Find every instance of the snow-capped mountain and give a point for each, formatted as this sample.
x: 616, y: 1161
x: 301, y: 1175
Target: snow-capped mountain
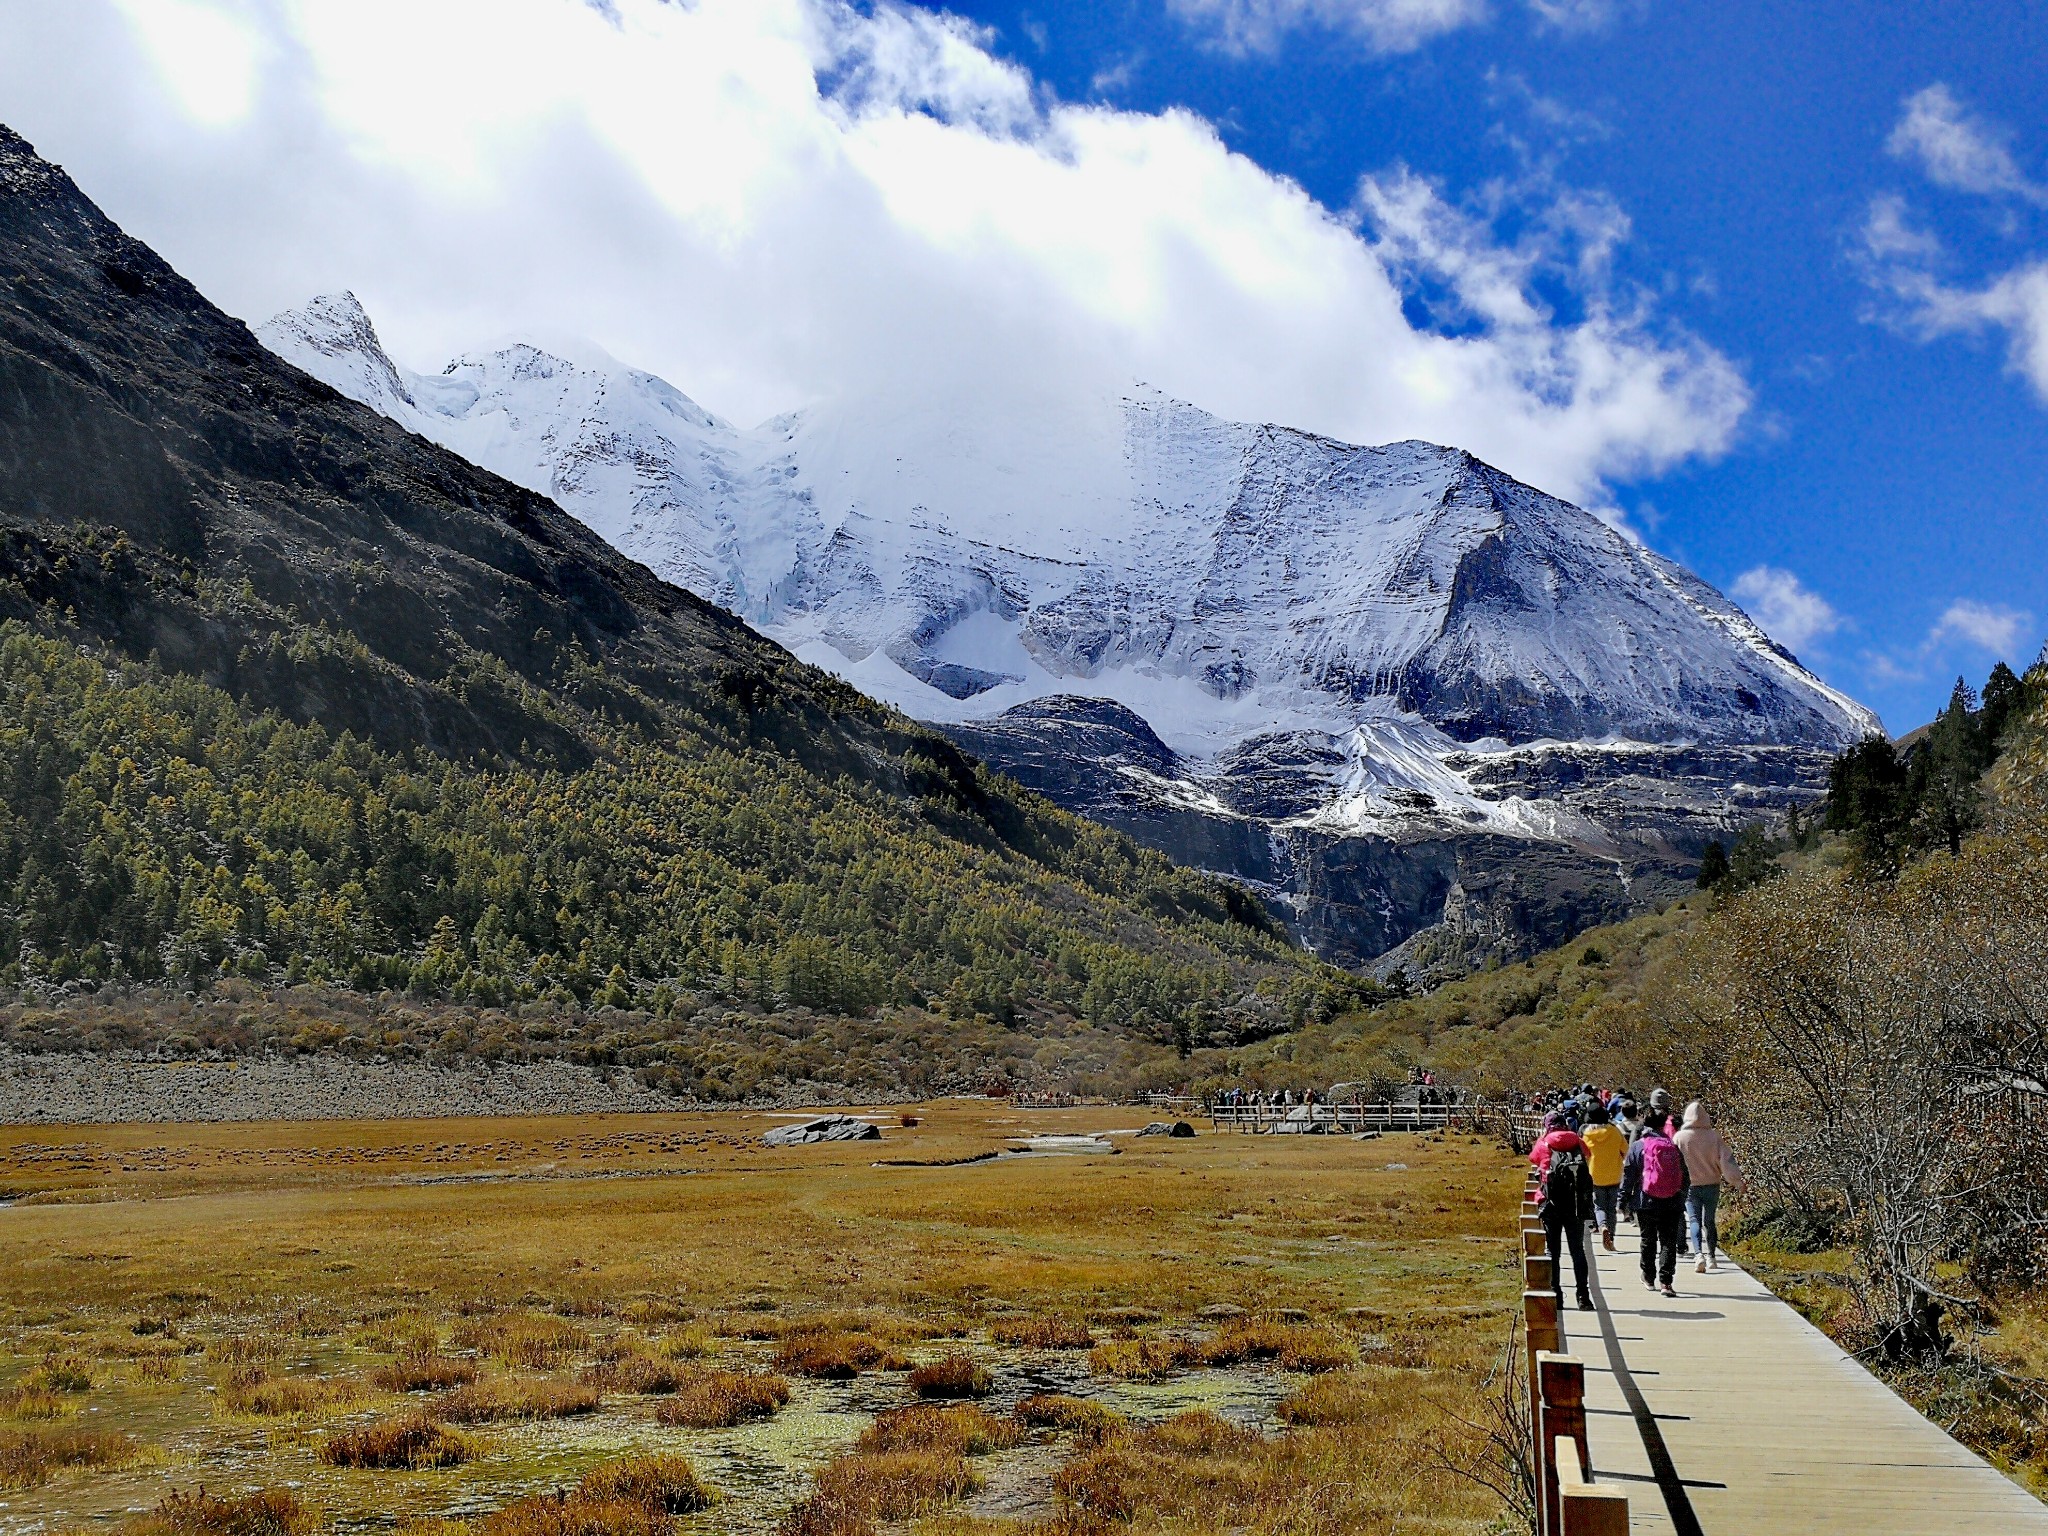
x: 1408, y: 637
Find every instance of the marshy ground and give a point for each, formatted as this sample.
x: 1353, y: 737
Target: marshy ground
x: 653, y: 1324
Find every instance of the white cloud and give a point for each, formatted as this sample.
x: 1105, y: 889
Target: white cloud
x: 1988, y: 626
x: 1956, y: 150
x: 1790, y: 612
x: 1575, y: 15
x: 1386, y: 26
x: 773, y: 201
x: 1993, y: 628
x: 1903, y: 263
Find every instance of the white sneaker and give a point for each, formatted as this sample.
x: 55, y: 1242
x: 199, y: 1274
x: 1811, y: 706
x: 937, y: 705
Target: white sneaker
x: 1714, y: 1265
x: 1701, y: 1267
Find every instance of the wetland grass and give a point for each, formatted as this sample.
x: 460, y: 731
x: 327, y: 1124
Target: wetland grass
x: 516, y: 1400
x: 31, y: 1457
x: 409, y: 1442
x: 831, y: 1354
x: 717, y: 1399
x: 1048, y: 1331
x: 954, y: 1375
x: 1078, y: 1416
x: 424, y: 1370
x: 255, y: 1244
x: 195, y: 1512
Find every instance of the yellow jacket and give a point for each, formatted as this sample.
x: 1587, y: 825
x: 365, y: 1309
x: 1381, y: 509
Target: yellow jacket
x: 1605, y: 1148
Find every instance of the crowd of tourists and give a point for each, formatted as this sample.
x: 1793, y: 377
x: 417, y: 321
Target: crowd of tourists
x: 1604, y: 1158
x: 1423, y: 1088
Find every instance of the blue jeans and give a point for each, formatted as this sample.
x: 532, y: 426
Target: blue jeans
x: 1604, y: 1198
x: 1702, y: 1208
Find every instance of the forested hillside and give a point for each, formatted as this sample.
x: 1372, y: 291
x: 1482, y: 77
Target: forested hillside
x: 292, y: 697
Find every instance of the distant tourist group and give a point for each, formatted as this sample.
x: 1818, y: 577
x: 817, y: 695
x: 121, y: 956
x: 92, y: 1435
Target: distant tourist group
x: 1603, y: 1159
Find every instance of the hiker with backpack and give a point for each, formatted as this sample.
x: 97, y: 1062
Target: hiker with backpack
x: 1653, y: 1184
x: 1709, y: 1163
x: 1564, y: 1200
x: 1605, y: 1148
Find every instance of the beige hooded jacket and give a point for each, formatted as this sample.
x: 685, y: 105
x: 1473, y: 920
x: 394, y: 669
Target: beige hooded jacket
x: 1708, y: 1157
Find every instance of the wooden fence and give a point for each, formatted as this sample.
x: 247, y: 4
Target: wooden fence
x: 1519, y: 1127
x: 1568, y: 1501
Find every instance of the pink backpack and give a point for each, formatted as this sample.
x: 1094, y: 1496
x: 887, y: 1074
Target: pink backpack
x: 1663, y: 1168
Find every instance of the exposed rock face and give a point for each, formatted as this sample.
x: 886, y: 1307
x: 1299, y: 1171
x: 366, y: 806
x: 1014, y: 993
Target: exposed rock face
x: 1377, y: 858
x: 804, y: 1133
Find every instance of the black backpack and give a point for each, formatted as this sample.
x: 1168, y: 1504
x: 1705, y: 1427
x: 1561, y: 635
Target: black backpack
x: 1561, y: 1183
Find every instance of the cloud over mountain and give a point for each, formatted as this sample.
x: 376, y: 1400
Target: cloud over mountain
x: 789, y: 200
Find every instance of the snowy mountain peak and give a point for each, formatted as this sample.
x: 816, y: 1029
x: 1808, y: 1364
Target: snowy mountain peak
x: 332, y: 338
x: 1220, y: 579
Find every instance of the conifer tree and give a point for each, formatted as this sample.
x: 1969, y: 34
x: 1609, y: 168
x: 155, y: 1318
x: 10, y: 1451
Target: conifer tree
x: 2003, y: 693
x: 1868, y: 799
x: 1948, y: 764
x: 1713, y: 866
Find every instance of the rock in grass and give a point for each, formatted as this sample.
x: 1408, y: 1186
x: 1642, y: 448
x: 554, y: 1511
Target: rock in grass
x: 1178, y: 1128
x: 824, y: 1128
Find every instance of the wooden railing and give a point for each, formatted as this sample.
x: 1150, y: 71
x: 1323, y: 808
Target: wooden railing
x: 1568, y: 1502
x: 1520, y: 1127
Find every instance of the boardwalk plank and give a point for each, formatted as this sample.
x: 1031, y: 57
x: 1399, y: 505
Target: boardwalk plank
x: 1770, y: 1427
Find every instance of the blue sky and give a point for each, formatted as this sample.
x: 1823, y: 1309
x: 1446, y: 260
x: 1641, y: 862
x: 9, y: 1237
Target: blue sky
x: 1895, y: 474
x: 1766, y: 284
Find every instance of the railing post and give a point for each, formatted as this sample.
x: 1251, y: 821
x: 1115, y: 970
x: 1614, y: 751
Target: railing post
x: 1539, y: 1316
x: 1561, y: 1388
x: 1583, y: 1508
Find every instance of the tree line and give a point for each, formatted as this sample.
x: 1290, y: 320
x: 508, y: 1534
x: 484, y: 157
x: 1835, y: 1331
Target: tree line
x: 155, y: 830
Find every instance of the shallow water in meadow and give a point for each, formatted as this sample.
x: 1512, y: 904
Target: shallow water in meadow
x: 759, y: 1469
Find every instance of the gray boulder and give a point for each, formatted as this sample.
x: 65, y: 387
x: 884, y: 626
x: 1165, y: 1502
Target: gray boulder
x: 802, y: 1133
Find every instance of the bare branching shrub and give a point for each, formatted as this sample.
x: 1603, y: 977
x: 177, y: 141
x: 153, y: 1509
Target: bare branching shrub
x: 1870, y: 1040
x: 1495, y: 1449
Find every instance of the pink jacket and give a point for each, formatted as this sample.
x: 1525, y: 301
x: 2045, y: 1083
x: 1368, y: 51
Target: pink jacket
x: 1708, y: 1157
x: 1553, y: 1141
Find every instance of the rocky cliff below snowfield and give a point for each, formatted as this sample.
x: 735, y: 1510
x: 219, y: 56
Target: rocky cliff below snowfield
x: 1431, y: 712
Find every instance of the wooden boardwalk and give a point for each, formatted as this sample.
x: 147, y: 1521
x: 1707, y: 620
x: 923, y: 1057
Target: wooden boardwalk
x: 1726, y: 1412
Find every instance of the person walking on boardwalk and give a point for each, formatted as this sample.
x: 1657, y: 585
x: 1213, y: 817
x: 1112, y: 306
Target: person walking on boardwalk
x: 1709, y: 1163
x: 1565, y: 1202
x: 1605, y: 1149
x: 1653, y: 1184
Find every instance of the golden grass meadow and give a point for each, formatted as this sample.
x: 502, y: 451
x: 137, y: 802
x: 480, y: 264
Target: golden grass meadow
x: 656, y: 1325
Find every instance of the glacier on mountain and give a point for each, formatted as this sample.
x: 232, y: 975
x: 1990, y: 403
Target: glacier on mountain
x: 1428, y: 652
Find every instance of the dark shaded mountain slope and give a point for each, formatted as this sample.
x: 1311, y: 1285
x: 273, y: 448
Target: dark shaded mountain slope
x: 269, y: 659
